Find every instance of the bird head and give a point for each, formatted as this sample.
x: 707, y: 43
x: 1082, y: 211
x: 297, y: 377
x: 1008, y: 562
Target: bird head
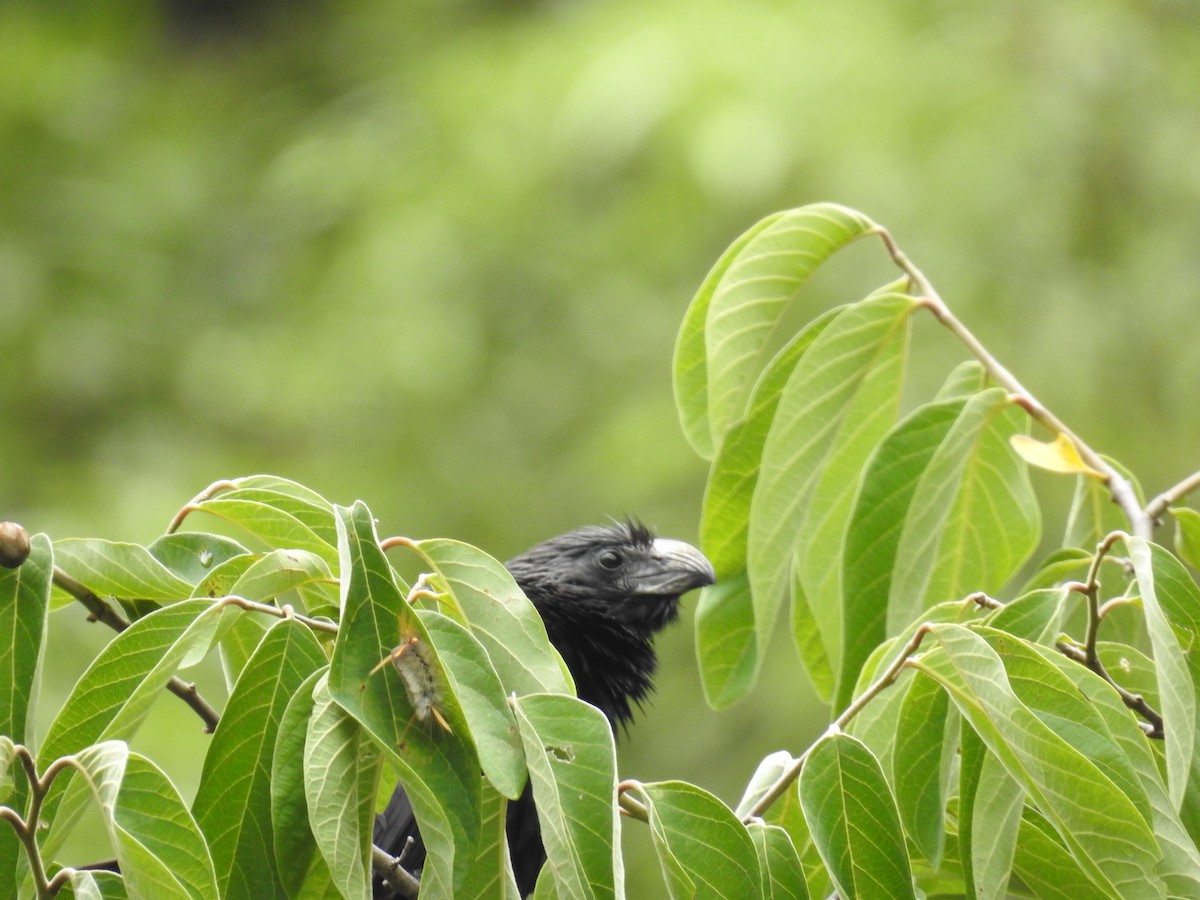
x: 603, y: 592
x: 620, y: 572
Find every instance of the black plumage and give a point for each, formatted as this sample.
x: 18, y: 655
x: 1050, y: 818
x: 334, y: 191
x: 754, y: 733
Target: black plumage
x: 603, y: 593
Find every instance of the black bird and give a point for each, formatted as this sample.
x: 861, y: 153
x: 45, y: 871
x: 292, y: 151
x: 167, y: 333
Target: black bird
x: 603, y: 592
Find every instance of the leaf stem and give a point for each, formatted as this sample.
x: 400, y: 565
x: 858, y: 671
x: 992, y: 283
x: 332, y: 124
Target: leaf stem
x: 630, y: 805
x: 1118, y: 486
x: 889, y: 676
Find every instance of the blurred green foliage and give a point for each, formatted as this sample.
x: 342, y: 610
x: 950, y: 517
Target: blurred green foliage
x: 434, y: 254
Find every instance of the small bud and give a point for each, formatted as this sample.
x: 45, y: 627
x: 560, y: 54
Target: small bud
x: 14, y: 545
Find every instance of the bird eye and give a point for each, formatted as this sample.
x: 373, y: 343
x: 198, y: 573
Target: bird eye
x: 610, y: 559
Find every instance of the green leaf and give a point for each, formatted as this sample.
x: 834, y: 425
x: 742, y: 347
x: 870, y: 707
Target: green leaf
x: 724, y: 524
x: 439, y: 769
x: 853, y: 819
x: 572, y: 766
x: 704, y: 851
x: 691, y: 348
x: 298, y: 863
x: 119, y: 569
x: 1045, y: 864
x: 1036, y: 616
x: 1160, y: 577
x: 193, y: 555
x: 1093, y: 513
x: 1038, y: 681
x: 921, y: 764
x: 1067, y: 564
x: 233, y: 801
x: 840, y: 399
x: 967, y: 378
x: 114, y: 695
x: 83, y: 884
x: 24, y: 612
x: 725, y: 634
x: 995, y: 817
x: 280, y: 571
x: 782, y: 871
x: 769, y: 771
x: 888, y: 485
x: 1180, y: 865
x: 973, y: 518
x: 157, y: 843
x: 484, y: 703
x: 725, y: 640
x: 279, y: 512
x: 1100, y: 825
x: 1187, y: 535
x: 500, y: 616
x: 738, y: 305
x: 491, y: 877
x: 341, y: 767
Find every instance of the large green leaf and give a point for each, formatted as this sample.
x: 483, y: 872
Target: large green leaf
x: 484, y: 703
x: 1102, y: 828
x: 233, y: 801
x: 158, y: 845
x: 782, y: 871
x: 341, y: 768
x: 1180, y: 865
x: 281, y: 513
x: 738, y: 305
x: 572, y: 767
x: 491, y: 877
x: 119, y: 569
x: 921, y: 764
x: 115, y: 693
x: 24, y: 610
x: 439, y: 768
x: 500, y: 616
x: 193, y: 555
x: 840, y: 399
x: 853, y: 819
x: 1187, y: 534
x: 1043, y: 862
x: 726, y: 641
x: 872, y: 539
x: 704, y: 851
x: 973, y: 518
x: 1171, y: 604
x: 997, y: 820
x: 724, y: 525
x: 301, y: 868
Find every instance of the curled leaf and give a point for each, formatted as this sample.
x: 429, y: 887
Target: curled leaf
x: 1059, y: 455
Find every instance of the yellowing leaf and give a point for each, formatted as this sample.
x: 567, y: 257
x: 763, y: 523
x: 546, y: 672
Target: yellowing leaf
x: 1059, y: 455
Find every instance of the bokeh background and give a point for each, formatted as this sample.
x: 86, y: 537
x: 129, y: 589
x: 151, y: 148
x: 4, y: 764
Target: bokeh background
x: 434, y: 254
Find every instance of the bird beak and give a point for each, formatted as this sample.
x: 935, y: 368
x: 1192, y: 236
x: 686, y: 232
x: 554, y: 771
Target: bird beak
x: 672, y: 568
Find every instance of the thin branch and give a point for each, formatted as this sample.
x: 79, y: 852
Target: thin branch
x: 26, y: 826
x: 1153, y: 726
x: 398, y: 879
x: 889, y: 676
x: 1118, y: 486
x: 194, y: 504
x: 99, y: 611
x: 1159, y: 505
x: 1088, y: 655
x: 279, y: 612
